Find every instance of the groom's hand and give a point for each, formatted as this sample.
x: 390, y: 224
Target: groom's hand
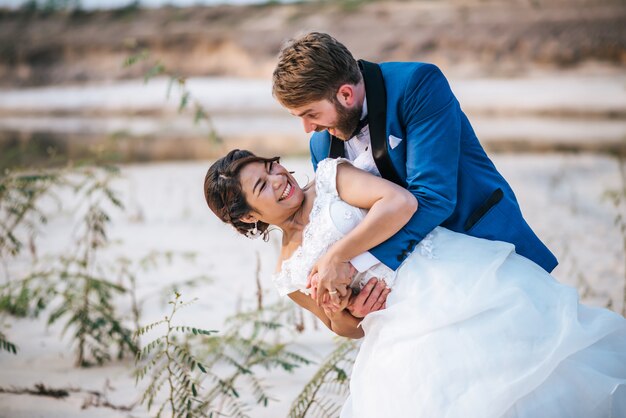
x: 333, y: 277
x: 370, y: 299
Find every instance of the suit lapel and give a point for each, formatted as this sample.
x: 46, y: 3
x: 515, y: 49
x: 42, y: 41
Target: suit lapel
x: 337, y: 149
x: 377, y: 114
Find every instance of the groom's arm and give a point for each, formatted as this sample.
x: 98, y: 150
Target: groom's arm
x: 432, y: 119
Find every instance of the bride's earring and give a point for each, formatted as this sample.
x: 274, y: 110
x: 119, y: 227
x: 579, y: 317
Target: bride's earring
x: 254, y: 232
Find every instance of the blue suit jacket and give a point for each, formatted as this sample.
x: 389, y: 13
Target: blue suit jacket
x: 444, y: 166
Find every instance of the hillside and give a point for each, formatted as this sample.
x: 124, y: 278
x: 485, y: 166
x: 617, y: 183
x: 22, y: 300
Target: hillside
x: 475, y: 38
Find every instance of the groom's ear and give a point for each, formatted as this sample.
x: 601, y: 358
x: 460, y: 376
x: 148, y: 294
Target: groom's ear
x: 346, y: 94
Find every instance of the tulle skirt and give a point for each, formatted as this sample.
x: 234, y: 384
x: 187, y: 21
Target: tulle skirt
x: 475, y: 330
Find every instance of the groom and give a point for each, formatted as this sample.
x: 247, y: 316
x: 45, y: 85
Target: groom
x: 402, y: 121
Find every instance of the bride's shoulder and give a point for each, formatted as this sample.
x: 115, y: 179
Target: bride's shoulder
x: 289, y: 274
x: 325, y: 167
x: 331, y: 164
x: 326, y: 175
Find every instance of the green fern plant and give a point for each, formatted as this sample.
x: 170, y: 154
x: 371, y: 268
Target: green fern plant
x: 214, y: 374
x: 128, y: 270
x: 324, y: 394
x: 21, y: 217
x: 88, y: 294
x: 253, y: 340
x: 21, y: 214
x: 172, y: 369
x: 78, y: 288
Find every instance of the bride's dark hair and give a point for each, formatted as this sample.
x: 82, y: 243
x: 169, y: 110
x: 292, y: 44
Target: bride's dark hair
x: 223, y: 193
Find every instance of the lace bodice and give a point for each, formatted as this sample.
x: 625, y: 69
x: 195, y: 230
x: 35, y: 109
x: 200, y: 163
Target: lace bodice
x: 330, y: 219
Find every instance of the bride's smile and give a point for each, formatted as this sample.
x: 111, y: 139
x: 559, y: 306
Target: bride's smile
x: 287, y: 193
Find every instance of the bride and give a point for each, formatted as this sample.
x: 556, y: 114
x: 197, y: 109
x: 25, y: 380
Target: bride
x: 470, y: 329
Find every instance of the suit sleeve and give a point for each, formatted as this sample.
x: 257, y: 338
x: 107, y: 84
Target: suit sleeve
x: 431, y: 117
x: 314, y: 158
x: 319, y: 146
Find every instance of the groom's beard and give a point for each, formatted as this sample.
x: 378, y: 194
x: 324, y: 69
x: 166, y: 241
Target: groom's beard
x: 347, y: 120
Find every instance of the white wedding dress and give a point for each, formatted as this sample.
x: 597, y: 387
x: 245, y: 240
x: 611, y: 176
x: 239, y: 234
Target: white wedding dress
x: 471, y: 329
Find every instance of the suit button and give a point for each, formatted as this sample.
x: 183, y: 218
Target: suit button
x: 401, y: 258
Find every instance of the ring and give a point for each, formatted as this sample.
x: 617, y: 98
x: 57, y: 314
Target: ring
x: 333, y: 292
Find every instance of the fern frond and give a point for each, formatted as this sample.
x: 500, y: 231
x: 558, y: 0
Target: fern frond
x: 268, y: 324
x: 307, y: 400
x: 239, y: 367
x: 6, y: 345
x: 149, y: 327
x: 141, y: 372
x: 135, y: 58
x: 297, y: 358
x: 194, y: 331
x: 149, y: 347
x: 258, y: 390
x: 185, y: 304
x: 153, y: 388
x: 325, y: 409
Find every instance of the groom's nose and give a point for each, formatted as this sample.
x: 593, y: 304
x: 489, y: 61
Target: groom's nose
x: 308, y: 126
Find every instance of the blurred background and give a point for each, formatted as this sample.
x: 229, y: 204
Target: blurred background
x: 161, y: 88
x: 539, y: 75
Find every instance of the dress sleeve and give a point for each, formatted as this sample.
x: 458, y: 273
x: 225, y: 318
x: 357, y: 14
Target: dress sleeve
x: 292, y: 275
x: 326, y: 176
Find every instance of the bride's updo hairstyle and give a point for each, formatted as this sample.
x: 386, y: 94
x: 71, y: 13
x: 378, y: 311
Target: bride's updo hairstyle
x: 223, y: 193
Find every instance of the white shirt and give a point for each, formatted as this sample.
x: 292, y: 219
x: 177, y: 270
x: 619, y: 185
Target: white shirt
x: 358, y: 149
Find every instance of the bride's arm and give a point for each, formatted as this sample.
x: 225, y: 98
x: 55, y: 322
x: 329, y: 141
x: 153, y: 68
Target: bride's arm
x: 341, y: 323
x: 390, y: 208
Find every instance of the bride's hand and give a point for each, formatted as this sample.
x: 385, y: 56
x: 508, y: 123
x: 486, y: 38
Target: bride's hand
x: 334, y: 277
x: 312, y: 283
x: 332, y: 309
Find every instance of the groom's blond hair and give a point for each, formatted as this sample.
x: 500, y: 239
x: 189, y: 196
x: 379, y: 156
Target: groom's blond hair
x: 312, y: 67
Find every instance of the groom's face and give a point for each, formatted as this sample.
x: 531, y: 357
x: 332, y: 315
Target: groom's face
x: 338, y: 119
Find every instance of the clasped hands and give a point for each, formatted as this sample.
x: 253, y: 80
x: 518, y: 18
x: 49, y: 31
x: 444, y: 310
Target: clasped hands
x: 329, y: 282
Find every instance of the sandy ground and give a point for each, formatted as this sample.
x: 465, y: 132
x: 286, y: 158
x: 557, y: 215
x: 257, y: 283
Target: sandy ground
x: 561, y: 196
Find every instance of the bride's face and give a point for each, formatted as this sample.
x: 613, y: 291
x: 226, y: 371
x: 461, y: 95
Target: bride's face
x: 271, y: 191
